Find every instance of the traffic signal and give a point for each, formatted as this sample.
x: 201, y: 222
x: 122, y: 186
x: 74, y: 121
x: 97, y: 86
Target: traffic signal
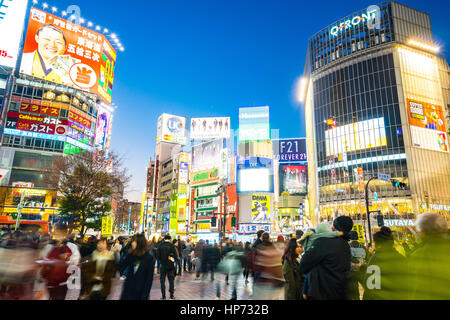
x: 213, y: 221
x: 380, y: 220
x: 233, y: 221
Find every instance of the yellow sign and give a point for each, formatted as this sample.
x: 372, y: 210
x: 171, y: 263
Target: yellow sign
x: 33, y: 192
x: 107, y: 226
x: 260, y: 208
x: 360, y: 230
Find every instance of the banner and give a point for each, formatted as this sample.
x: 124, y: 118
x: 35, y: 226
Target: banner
x: 65, y: 53
x: 260, y: 208
x: 293, y: 179
x: 107, y: 226
x: 290, y: 150
x: 46, y: 125
x: 104, y: 127
x: 426, y: 115
x: 210, y: 128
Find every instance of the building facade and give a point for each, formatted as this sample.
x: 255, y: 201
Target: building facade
x: 377, y: 102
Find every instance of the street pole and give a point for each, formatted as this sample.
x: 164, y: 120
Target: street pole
x: 366, y: 189
x: 19, y: 209
x: 129, y: 219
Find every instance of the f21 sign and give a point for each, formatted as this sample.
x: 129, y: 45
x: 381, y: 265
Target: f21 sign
x: 290, y: 150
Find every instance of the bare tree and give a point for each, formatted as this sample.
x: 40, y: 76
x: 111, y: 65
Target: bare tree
x: 87, y: 183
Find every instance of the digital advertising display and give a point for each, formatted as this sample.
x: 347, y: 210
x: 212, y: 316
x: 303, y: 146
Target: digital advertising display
x: 210, y: 128
x: 66, y: 53
x: 260, y: 208
x: 356, y: 136
x: 12, y: 19
x: 427, y: 123
x: 103, y: 129
x: 293, y: 179
x: 254, y: 174
x: 290, y: 150
x: 207, y: 155
x: 254, y: 123
x: 38, y: 124
x: 171, y: 129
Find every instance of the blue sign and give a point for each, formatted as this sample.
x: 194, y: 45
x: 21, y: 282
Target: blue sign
x: 174, y: 125
x: 290, y: 150
x: 253, y: 228
x: 253, y: 162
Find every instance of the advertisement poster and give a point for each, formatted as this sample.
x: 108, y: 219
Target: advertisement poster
x: 40, y: 124
x: 12, y: 18
x: 65, y: 53
x: 428, y: 129
x: 207, y: 155
x: 293, y: 179
x: 103, y: 130
x: 426, y: 115
x: 210, y: 128
x: 260, y: 208
x: 171, y: 129
x: 254, y: 124
x: 290, y: 150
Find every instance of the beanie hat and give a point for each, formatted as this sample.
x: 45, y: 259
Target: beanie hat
x: 280, y: 238
x: 343, y: 224
x: 298, y: 234
x: 323, y: 227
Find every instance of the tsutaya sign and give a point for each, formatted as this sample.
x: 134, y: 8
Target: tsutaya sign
x: 371, y: 16
x: 398, y: 223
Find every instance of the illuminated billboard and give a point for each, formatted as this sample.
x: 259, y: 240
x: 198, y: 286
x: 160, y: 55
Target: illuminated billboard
x: 103, y: 129
x: 254, y: 174
x: 210, y: 128
x: 293, y: 180
x: 12, y: 18
x: 260, y: 208
x: 356, y: 136
x: 171, y: 129
x: 65, y: 53
x: 290, y: 150
x: 38, y: 124
x: 427, y: 123
x: 207, y: 155
x: 254, y: 124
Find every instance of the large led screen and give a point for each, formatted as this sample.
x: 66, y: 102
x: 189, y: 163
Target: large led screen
x: 356, y: 136
x: 254, y: 124
x: 259, y: 179
x: 293, y: 179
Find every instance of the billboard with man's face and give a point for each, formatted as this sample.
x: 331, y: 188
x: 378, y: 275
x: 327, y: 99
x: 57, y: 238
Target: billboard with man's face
x: 59, y: 51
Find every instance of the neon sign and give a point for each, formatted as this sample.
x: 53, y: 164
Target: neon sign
x: 370, y: 15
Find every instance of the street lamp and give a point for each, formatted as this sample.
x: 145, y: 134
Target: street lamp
x: 223, y: 189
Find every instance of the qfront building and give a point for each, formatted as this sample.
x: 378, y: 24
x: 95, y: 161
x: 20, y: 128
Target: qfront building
x: 376, y: 102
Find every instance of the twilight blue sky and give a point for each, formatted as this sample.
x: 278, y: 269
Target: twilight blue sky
x: 198, y: 58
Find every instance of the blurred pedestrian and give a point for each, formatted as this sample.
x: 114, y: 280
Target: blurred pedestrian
x: 141, y: 266
x: 97, y: 272
x: 385, y: 277
x: 293, y: 285
x: 167, y: 254
x: 186, y: 253
x: 360, y: 258
x: 60, y: 254
x: 327, y: 263
x: 198, y: 256
x: 176, y: 244
x: 211, y: 256
x: 247, y: 261
x: 429, y: 278
x: 268, y: 280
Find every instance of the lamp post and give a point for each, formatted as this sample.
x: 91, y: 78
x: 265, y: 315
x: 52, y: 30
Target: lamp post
x: 366, y: 192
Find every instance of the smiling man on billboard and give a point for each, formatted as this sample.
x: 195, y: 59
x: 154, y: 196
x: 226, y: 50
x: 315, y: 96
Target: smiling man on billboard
x: 48, y: 61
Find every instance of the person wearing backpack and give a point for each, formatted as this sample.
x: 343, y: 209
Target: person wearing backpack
x: 359, y: 258
x: 167, y: 255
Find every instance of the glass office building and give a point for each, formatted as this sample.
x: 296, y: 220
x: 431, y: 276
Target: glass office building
x: 377, y: 102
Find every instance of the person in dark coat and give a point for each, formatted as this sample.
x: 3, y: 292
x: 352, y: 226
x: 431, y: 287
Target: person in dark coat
x: 211, y: 256
x: 167, y: 254
x: 140, y: 264
x: 389, y: 266
x: 328, y: 263
x: 293, y: 285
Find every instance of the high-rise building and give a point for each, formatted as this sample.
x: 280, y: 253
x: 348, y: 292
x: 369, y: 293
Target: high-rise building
x: 54, y: 104
x: 376, y: 102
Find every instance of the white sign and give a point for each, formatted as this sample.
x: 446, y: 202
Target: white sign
x: 253, y: 228
x: 384, y: 177
x: 398, y: 223
x: 12, y: 18
x: 429, y: 139
x: 171, y: 129
x: 210, y: 128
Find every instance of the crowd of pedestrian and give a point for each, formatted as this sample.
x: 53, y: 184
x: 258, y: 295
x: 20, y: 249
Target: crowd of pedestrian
x: 321, y: 263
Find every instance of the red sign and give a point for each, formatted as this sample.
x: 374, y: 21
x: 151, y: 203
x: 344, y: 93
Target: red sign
x: 79, y: 119
x: 232, y: 207
x: 38, y: 124
x: 39, y: 109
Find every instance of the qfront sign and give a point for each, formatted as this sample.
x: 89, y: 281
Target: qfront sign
x: 370, y: 15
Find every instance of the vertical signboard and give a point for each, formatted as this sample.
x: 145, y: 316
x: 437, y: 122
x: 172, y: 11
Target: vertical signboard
x: 254, y: 124
x: 171, y: 129
x: 260, y: 208
x: 12, y: 19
